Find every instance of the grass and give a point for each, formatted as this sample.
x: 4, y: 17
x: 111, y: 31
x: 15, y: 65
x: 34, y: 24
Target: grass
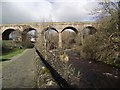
x: 8, y: 50
x: 14, y: 52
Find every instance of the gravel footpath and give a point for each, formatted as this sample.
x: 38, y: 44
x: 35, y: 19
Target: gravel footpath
x: 20, y: 71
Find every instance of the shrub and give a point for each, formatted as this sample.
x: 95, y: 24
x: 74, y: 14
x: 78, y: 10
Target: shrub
x: 101, y: 48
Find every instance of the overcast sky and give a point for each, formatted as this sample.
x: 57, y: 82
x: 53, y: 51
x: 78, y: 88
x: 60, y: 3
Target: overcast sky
x: 24, y: 11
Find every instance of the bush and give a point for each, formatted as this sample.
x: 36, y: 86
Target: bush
x: 100, y: 47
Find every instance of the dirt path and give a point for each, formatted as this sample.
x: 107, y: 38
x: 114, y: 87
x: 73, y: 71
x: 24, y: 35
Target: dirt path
x: 19, y: 72
x: 95, y: 75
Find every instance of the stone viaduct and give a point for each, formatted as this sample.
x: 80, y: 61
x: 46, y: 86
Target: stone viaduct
x: 59, y: 27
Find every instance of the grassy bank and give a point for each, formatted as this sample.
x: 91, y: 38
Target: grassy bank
x: 14, y: 52
x: 8, y: 50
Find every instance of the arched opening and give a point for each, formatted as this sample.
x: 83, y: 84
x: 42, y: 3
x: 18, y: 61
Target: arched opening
x: 11, y: 41
x: 6, y: 35
x: 71, y: 28
x: 50, y: 38
x: 86, y: 32
x: 69, y: 37
x: 32, y: 35
x: 29, y: 37
x: 91, y: 30
x: 48, y: 29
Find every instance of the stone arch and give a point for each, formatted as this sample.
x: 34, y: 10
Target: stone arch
x: 69, y: 38
x: 70, y: 27
x: 86, y: 31
x: 49, y: 28
x: 6, y: 33
x: 28, y: 29
x: 90, y: 30
x: 50, y: 37
x: 27, y: 38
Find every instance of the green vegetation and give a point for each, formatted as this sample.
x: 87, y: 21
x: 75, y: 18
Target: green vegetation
x: 68, y: 39
x: 104, y: 46
x: 14, y: 52
x: 9, y: 49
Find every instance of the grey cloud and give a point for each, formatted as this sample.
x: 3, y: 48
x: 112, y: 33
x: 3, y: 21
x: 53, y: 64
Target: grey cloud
x: 11, y: 14
x: 46, y: 10
x: 73, y: 11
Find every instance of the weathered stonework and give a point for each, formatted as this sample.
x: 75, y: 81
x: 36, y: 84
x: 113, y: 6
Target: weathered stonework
x: 41, y: 27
